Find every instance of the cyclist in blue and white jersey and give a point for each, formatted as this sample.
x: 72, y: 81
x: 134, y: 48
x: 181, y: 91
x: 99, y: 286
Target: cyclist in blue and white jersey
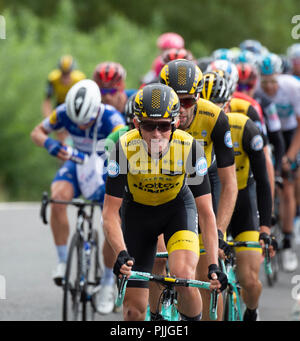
x: 284, y: 91
x: 88, y: 122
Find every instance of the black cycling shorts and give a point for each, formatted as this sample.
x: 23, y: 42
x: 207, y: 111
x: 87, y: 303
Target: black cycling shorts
x: 245, y: 215
x: 142, y: 225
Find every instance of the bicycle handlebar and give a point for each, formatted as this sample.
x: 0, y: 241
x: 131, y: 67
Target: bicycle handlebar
x: 267, y: 260
x: 80, y: 203
x: 167, y: 281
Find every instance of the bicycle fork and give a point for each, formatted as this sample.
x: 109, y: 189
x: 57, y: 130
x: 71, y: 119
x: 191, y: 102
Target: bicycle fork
x: 235, y: 312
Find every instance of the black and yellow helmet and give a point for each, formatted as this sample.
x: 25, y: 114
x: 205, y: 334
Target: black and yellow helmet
x: 184, y: 76
x: 156, y: 101
x: 215, y: 87
x: 66, y: 63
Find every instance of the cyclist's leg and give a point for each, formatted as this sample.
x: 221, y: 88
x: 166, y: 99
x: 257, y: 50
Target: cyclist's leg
x: 159, y: 268
x: 288, y: 198
x: 60, y: 190
x: 140, y: 229
x: 181, y: 238
x: 63, y: 187
x: 288, y: 206
x: 135, y: 304
x: 244, y: 226
x: 248, y: 265
x: 183, y: 264
x: 202, y: 267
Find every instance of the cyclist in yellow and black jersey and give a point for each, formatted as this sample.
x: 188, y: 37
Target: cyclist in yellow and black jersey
x: 207, y: 123
x: 60, y: 82
x: 147, y: 180
x: 254, y: 193
x: 244, y: 107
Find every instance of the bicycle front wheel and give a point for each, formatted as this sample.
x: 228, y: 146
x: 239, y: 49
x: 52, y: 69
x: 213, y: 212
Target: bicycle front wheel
x: 72, y: 296
x: 94, y: 273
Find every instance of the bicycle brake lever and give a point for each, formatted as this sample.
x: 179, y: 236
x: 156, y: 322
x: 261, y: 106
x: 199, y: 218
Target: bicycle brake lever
x: 213, y: 305
x: 45, y: 201
x: 268, y: 267
x: 122, y: 283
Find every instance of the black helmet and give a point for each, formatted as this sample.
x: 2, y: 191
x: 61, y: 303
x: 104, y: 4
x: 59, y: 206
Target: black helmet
x: 156, y: 101
x: 129, y: 111
x: 215, y: 88
x: 184, y: 76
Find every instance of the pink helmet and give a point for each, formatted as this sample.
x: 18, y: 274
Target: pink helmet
x: 170, y: 40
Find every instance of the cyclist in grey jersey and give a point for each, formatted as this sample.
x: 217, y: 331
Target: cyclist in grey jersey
x: 284, y: 91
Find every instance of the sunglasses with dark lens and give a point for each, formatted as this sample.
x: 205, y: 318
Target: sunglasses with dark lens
x: 244, y: 86
x: 151, y: 126
x: 188, y: 102
x: 105, y: 91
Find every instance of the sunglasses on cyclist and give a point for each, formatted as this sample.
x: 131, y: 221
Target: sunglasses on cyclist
x: 244, y: 86
x: 160, y: 126
x: 187, y: 102
x: 105, y: 91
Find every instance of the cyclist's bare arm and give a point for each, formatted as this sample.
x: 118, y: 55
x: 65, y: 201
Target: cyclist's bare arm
x: 295, y: 145
x: 47, y: 107
x: 270, y: 170
x: 39, y: 135
x: 111, y: 223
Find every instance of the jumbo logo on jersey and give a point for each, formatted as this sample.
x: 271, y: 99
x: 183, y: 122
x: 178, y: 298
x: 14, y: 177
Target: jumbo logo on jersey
x: 113, y: 168
x: 257, y: 143
x: 201, y: 166
x: 227, y: 139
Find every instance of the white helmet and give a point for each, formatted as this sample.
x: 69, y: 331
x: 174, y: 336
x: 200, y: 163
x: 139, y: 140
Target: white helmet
x: 230, y: 68
x: 83, y: 102
x: 293, y: 52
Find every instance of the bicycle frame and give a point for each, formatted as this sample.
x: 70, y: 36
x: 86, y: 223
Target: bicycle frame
x: 234, y: 308
x: 168, y: 282
x: 169, y: 299
x: 86, y: 242
x: 234, y: 302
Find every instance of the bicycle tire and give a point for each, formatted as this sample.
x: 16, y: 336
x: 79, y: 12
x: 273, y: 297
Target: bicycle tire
x: 226, y: 316
x: 72, y: 293
x: 93, y: 275
x: 275, y: 261
x: 273, y: 278
x: 231, y: 311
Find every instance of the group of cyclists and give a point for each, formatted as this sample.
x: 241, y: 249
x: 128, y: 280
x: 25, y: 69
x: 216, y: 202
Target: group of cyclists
x: 190, y: 158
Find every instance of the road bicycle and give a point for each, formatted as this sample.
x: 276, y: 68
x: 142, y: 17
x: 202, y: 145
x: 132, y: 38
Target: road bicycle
x: 168, y: 298
x: 276, y: 231
x: 233, y: 303
x: 81, y: 283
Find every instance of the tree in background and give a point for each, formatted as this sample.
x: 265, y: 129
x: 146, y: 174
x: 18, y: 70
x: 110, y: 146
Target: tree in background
x: 38, y: 33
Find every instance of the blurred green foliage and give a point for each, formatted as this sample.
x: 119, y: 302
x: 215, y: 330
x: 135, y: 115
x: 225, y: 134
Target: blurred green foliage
x: 39, y: 32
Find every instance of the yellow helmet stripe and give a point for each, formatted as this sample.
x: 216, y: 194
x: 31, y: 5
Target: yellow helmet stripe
x: 210, y: 85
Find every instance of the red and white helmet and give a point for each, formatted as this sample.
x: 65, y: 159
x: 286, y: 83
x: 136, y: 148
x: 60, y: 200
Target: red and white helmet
x: 110, y: 75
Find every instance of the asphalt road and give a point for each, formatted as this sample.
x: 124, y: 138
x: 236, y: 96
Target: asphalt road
x: 28, y: 256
